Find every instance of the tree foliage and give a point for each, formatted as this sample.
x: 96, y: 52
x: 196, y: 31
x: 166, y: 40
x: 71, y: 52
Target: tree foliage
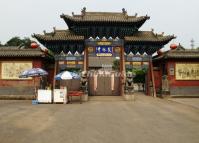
x: 116, y: 64
x: 17, y: 41
x: 139, y: 75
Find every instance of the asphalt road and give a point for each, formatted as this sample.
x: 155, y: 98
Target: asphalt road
x: 146, y: 120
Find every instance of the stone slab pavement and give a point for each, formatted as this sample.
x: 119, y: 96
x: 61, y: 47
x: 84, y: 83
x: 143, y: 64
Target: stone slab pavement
x: 146, y: 120
x: 193, y: 102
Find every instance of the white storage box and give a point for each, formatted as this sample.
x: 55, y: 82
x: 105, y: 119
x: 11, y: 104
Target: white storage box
x: 60, y: 95
x: 44, y: 96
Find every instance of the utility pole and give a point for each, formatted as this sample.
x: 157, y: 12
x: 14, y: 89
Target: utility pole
x: 192, y: 43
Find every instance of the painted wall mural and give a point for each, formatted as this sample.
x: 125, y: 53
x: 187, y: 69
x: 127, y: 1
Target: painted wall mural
x: 12, y: 70
x: 187, y: 71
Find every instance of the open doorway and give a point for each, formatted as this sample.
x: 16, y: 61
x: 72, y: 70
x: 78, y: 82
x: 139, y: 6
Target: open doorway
x: 139, y: 79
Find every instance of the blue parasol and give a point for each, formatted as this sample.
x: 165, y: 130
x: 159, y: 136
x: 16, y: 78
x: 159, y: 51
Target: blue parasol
x: 33, y: 73
x: 66, y: 75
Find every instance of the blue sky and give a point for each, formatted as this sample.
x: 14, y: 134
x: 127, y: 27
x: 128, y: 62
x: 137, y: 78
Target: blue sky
x: 25, y: 17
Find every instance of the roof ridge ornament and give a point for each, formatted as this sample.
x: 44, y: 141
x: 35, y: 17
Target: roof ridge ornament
x: 147, y: 17
x: 44, y: 32
x: 62, y: 15
x: 62, y: 53
x: 110, y: 38
x: 136, y: 14
x: 69, y: 53
x: 124, y: 11
x: 76, y: 53
x: 104, y: 38
x: 117, y: 39
x: 54, y: 29
x: 91, y: 39
x: 83, y: 11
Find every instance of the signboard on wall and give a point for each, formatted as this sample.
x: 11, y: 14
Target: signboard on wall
x: 104, y: 51
x: 12, y: 70
x: 171, y: 70
x: 187, y: 71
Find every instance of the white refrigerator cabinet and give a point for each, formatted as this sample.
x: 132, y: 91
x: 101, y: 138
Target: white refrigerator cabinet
x: 60, y: 95
x: 44, y: 96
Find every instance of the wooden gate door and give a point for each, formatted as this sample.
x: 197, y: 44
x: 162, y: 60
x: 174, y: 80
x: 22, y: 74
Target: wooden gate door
x: 106, y: 85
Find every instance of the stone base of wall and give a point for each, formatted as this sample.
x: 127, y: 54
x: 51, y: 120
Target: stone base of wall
x: 17, y: 97
x: 191, y: 91
x: 18, y: 90
x: 17, y: 93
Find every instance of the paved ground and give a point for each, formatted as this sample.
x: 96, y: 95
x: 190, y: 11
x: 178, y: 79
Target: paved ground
x: 146, y: 120
x: 194, y: 102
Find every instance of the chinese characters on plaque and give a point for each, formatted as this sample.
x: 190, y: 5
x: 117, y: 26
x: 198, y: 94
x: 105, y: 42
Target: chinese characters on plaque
x: 104, y: 51
x: 187, y: 71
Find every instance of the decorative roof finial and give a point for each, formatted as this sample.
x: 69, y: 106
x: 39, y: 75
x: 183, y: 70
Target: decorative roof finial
x: 44, y: 32
x: 73, y: 13
x: 174, y: 36
x: 124, y: 11
x: 83, y: 11
x: 152, y: 30
x: 54, y: 28
x: 147, y: 17
x: 136, y: 14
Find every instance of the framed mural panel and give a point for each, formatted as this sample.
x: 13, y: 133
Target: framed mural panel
x: 12, y: 70
x: 187, y: 71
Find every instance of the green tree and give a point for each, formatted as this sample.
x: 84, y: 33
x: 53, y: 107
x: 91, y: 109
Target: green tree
x: 139, y: 75
x: 116, y: 64
x: 17, y: 41
x: 26, y: 42
x: 1, y: 44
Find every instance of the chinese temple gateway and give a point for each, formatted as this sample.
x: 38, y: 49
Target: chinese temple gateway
x: 105, y: 44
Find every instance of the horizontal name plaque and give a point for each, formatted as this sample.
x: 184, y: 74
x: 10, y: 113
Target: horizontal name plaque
x: 104, y: 51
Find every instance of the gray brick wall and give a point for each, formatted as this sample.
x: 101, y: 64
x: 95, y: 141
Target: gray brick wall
x: 17, y: 90
x: 185, y: 91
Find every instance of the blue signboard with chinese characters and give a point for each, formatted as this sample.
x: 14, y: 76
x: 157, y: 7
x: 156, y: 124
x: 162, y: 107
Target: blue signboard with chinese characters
x: 104, y: 51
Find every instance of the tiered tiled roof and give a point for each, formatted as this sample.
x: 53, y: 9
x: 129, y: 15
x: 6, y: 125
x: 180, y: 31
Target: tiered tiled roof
x: 58, y: 35
x: 140, y: 36
x: 100, y: 24
x: 148, y: 36
x: 105, y: 17
x: 16, y: 52
x: 179, y: 53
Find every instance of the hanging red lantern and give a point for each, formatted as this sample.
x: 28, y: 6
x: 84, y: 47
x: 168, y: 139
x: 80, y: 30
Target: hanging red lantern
x: 173, y: 46
x: 34, y: 45
x: 159, y: 52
